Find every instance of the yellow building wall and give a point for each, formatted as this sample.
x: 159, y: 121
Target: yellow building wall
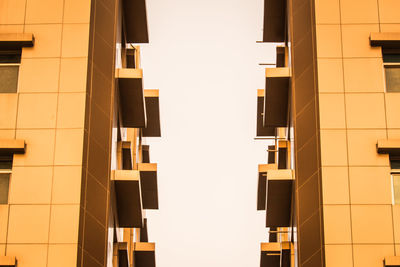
x: 40, y: 224
x: 361, y: 224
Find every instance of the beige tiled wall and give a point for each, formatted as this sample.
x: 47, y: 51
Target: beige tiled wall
x: 361, y: 224
x: 40, y: 224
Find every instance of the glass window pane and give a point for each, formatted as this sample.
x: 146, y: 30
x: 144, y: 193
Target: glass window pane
x: 8, y: 79
x: 4, y: 182
x: 392, y: 74
x: 396, y: 188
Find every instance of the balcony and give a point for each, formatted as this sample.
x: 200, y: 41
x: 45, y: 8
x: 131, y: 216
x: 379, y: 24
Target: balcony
x: 122, y: 254
x: 131, y: 97
x: 148, y: 180
x: 270, y: 255
x: 275, y: 21
x: 144, y: 255
x: 128, y: 198
x: 279, y: 198
x: 12, y: 146
x: 153, y: 128
x: 261, y: 129
x: 262, y: 184
x: 135, y: 17
x: 276, y: 100
x: 275, y: 254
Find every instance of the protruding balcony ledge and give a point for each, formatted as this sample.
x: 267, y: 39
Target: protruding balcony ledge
x: 129, y: 198
x: 261, y: 129
x: 262, y: 184
x: 144, y: 254
x: 389, y: 146
x: 16, y: 40
x: 12, y: 146
x: 153, y: 128
x: 148, y: 179
x: 392, y: 261
x: 135, y: 17
x: 278, y: 72
x: 131, y: 98
x: 123, y: 254
x: 270, y: 255
x: 7, y: 261
x: 279, y: 198
x: 386, y: 39
x: 274, y: 21
x: 276, y: 101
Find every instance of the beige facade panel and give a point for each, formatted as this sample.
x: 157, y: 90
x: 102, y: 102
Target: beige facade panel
x: 327, y: 11
x: 388, y: 146
x: 7, y: 261
x: 12, y: 12
x: 16, y: 40
x: 359, y: 11
x: 70, y: 46
x: 62, y: 255
x: 329, y: 41
x: 339, y: 255
x: 39, y: 75
x: 47, y: 39
x: 392, y: 110
x: 388, y: 11
x: 332, y: 111
x: 355, y: 78
x: 76, y: 11
x: 335, y: 185
x: 12, y: 146
x: 337, y: 224
x: 8, y: 111
x: 371, y: 255
x: 372, y: 224
x: 330, y: 75
x: 333, y: 148
x: 362, y: 148
x: 28, y: 254
x: 385, y: 39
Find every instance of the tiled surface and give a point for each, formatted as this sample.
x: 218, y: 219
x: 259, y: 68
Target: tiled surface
x: 337, y: 224
x: 28, y: 224
x: 28, y: 254
x: 48, y: 113
x: 339, y: 255
x: 335, y: 185
x: 31, y: 185
x: 371, y: 255
x: 62, y: 255
x: 355, y: 177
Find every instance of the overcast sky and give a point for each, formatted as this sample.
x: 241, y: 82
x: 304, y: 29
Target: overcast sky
x: 204, y: 59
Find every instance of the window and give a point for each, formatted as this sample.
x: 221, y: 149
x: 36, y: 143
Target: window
x: 395, y: 166
x: 5, y: 173
x: 9, y: 69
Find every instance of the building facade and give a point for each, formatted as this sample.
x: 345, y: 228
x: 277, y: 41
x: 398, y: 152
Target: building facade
x: 332, y: 104
x: 75, y: 123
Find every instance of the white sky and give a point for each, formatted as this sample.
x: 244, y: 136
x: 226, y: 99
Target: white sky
x: 204, y: 59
